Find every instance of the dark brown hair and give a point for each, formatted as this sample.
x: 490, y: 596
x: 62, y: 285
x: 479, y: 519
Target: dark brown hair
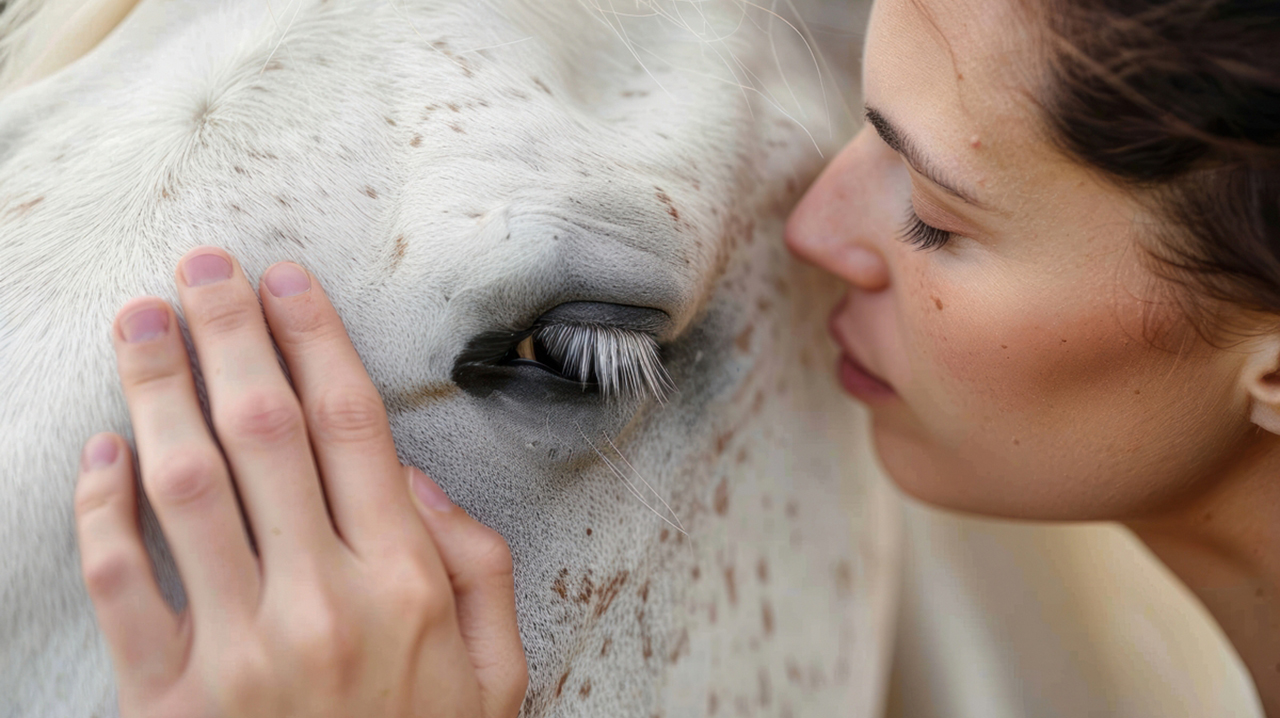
x: 1179, y: 100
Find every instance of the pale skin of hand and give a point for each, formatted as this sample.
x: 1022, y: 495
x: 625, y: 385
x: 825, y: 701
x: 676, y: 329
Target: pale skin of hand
x: 393, y: 602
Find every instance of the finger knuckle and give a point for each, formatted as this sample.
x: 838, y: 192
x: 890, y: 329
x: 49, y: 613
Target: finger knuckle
x: 435, y: 603
x: 227, y: 317
x: 151, y: 372
x: 95, y: 492
x: 490, y: 553
x: 109, y: 575
x: 260, y: 416
x: 322, y: 639
x: 347, y: 415
x: 306, y: 325
x: 184, y: 477
x: 409, y: 595
x: 244, y: 676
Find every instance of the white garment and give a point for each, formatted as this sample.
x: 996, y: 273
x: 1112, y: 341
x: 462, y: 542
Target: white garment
x: 1008, y: 619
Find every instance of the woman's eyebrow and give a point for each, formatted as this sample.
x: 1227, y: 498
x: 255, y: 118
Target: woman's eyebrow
x: 910, y: 152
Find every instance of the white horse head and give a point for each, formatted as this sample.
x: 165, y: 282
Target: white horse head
x: 464, y: 176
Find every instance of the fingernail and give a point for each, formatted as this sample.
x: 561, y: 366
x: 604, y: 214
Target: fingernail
x: 144, y: 324
x: 428, y: 493
x: 205, y: 269
x: 100, y: 452
x: 287, y: 279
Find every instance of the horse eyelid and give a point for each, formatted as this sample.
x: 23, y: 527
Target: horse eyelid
x: 623, y: 362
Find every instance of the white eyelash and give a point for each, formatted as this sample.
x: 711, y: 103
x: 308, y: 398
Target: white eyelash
x: 623, y: 362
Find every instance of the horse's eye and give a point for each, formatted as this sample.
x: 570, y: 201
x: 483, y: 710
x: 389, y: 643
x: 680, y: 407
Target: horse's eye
x: 609, y: 349
x: 618, y: 361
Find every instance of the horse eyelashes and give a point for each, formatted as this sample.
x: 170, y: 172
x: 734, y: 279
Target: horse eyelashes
x: 623, y: 362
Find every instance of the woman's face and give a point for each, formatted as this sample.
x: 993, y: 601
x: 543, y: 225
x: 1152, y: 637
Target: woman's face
x: 1032, y: 366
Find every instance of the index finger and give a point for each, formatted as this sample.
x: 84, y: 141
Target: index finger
x: 345, y: 416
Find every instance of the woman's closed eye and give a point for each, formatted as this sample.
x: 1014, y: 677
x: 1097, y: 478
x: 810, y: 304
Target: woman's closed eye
x: 921, y: 235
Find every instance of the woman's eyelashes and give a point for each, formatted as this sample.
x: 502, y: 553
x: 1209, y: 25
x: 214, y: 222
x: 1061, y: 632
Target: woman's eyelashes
x: 923, y: 236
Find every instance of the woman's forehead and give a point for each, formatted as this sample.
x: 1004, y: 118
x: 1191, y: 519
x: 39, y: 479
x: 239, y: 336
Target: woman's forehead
x: 958, y: 77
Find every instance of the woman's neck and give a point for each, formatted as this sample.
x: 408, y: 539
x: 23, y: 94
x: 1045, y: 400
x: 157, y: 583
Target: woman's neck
x: 1225, y: 546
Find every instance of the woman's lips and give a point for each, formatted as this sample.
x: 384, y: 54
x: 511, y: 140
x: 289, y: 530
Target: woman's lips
x: 856, y: 378
x: 862, y: 383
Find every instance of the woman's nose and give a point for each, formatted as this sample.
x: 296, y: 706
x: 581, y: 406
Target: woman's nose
x: 835, y: 224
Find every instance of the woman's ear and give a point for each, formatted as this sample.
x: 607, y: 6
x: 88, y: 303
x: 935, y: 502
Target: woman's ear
x: 1261, y: 379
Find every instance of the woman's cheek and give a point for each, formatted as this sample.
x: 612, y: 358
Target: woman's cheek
x: 1012, y: 359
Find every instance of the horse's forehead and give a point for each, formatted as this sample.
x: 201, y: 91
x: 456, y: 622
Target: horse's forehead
x: 489, y: 136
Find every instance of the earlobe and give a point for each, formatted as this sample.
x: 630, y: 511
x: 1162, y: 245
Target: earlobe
x: 1262, y: 381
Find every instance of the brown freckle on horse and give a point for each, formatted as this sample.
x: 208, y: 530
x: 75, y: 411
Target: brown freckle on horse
x: 373, y: 193
x: 713, y: 704
x: 609, y: 592
x: 421, y: 396
x: 937, y: 303
x: 558, y: 585
x: 844, y: 578
x: 1004, y: 346
x: 682, y: 646
x: 390, y: 121
x: 644, y: 592
x: 762, y: 570
x: 585, y: 690
x: 542, y: 85
x: 416, y: 141
x: 731, y: 586
x: 588, y: 530
x: 766, y: 618
x: 646, y: 647
x: 604, y: 647
x: 722, y: 442
x: 742, y: 455
x: 664, y: 535
x: 664, y: 198
x: 560, y: 685
x: 722, y: 497
x: 696, y: 572
x: 743, y: 341
x: 792, y: 509
x: 588, y: 588
x: 457, y: 128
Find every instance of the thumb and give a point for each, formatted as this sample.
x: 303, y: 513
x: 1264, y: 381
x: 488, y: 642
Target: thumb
x: 479, y: 565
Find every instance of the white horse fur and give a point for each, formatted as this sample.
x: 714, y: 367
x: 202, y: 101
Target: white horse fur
x: 450, y: 169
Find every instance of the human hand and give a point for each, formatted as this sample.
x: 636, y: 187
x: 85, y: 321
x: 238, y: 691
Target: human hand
x: 370, y: 608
